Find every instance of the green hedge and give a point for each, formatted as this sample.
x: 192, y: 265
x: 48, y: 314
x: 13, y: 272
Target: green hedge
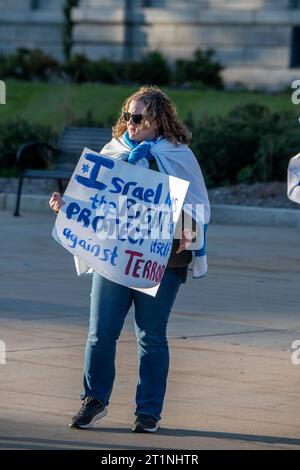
x: 28, y: 64
x: 152, y: 68
x: 250, y: 144
x: 201, y: 68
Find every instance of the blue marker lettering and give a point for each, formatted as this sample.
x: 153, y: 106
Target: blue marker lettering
x: 98, y: 161
x: 158, y: 193
x: 72, y: 209
x: 115, y: 182
x: 84, y: 217
x: 73, y: 239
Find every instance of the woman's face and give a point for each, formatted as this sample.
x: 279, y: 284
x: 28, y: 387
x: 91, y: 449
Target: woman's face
x: 140, y: 132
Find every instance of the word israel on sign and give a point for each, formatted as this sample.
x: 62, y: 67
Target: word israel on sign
x: 120, y: 219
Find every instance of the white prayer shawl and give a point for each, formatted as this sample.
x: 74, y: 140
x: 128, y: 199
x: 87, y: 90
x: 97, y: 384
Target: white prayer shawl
x: 173, y: 160
x: 293, y: 188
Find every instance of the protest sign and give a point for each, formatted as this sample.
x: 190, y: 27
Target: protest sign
x: 120, y: 219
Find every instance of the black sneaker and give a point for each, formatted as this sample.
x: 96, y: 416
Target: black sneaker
x: 90, y: 411
x: 145, y: 423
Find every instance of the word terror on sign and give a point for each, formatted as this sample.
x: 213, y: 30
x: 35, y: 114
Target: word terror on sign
x: 137, y: 266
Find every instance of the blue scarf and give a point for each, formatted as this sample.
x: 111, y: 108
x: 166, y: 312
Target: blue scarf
x: 139, y: 149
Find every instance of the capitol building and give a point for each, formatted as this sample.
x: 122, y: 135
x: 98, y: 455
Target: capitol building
x: 257, y: 41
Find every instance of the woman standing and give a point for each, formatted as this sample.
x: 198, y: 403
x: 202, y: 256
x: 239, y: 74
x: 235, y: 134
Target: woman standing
x: 148, y: 133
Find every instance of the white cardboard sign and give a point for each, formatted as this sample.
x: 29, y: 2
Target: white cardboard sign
x: 120, y: 219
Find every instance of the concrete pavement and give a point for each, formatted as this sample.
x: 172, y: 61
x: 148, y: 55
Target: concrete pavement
x: 232, y: 384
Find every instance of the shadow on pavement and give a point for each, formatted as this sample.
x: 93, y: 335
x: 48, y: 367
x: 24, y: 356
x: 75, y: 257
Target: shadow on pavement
x: 211, y: 434
x: 33, y: 443
x: 9, y: 442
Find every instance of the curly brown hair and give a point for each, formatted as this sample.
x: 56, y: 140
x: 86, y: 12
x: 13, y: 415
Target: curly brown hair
x: 159, y: 107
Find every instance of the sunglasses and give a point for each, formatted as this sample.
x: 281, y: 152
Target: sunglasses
x: 137, y: 118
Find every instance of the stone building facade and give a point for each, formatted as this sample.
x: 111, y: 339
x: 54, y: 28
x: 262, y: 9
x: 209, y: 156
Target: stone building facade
x: 31, y: 24
x: 256, y: 40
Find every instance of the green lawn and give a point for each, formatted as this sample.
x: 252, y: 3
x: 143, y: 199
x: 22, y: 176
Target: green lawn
x: 58, y: 105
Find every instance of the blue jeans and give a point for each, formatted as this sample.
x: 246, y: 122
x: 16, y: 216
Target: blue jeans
x: 110, y: 303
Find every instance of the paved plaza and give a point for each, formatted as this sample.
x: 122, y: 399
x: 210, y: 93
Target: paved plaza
x: 232, y: 383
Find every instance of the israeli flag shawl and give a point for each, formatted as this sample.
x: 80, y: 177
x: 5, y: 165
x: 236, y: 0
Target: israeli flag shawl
x: 173, y: 160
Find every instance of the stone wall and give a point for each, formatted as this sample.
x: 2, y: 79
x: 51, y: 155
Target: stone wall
x: 100, y: 29
x: 25, y: 23
x: 240, y: 39
x: 245, y: 34
x: 248, y: 37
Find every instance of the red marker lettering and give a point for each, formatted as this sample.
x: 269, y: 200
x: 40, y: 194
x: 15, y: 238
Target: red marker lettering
x: 132, y: 255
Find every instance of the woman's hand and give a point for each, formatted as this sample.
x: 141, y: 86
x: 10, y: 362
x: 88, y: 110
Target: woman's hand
x: 185, y: 241
x: 56, y: 202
